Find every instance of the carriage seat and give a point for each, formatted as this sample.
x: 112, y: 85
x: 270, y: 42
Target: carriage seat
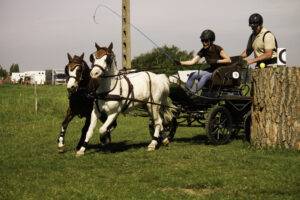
x: 228, y: 76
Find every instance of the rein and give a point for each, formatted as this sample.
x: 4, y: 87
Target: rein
x: 113, y: 97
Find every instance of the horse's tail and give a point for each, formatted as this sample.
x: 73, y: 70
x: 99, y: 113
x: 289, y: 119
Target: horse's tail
x: 167, y: 109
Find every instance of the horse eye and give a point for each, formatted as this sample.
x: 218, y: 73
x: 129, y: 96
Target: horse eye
x: 79, y: 70
x: 92, y: 58
x: 108, y: 60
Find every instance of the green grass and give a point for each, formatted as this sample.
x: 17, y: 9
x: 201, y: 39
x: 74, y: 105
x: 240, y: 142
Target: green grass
x: 32, y: 168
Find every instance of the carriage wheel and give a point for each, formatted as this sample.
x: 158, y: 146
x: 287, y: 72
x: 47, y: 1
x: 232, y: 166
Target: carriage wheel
x: 235, y: 132
x: 169, y: 129
x: 247, y: 127
x: 219, y: 126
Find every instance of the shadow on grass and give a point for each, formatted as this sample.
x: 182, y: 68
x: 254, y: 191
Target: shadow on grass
x: 198, y: 139
x: 116, y: 147
x: 202, y: 139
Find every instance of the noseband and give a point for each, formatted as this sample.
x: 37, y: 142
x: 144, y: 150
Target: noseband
x: 109, y: 56
x: 100, y: 67
x: 75, y: 77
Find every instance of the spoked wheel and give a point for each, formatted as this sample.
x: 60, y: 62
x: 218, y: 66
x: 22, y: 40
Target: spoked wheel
x: 235, y: 132
x: 168, y: 132
x: 219, y: 126
x: 170, y: 129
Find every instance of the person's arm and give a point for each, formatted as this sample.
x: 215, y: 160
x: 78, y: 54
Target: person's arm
x: 248, y: 51
x: 265, y: 56
x: 226, y: 59
x: 193, y: 61
x: 244, y: 54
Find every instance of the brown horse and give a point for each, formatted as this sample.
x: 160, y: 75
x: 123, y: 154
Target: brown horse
x: 80, y: 103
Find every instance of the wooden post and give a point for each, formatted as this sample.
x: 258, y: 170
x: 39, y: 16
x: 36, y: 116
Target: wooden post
x: 126, y: 43
x: 276, y: 108
x: 35, y: 99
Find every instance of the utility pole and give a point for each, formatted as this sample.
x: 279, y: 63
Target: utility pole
x: 126, y: 44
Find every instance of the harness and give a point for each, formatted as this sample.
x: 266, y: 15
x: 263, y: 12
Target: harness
x: 105, y: 96
x: 113, y: 97
x: 249, y: 49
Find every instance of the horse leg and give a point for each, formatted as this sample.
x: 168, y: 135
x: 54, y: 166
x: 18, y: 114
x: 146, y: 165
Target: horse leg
x: 89, y: 133
x: 112, y: 126
x: 61, y: 137
x: 83, y: 132
x: 107, y: 127
x: 158, y: 127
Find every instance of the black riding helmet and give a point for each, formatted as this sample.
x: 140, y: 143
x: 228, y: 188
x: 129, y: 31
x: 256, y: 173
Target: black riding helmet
x: 208, y: 35
x: 255, y: 20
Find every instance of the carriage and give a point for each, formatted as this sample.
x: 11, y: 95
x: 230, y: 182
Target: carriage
x: 223, y: 107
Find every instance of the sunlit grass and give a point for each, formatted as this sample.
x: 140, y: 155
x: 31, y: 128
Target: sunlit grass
x: 32, y: 168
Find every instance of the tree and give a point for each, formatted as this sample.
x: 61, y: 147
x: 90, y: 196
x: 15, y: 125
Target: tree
x: 3, y: 73
x: 160, y: 60
x: 276, y: 108
x: 14, y: 68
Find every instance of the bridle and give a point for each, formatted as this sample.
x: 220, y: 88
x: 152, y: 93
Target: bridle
x: 109, y: 61
x: 100, y: 67
x: 78, y: 79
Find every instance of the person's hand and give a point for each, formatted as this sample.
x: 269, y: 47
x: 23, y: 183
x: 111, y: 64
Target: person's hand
x: 177, y: 62
x: 248, y: 60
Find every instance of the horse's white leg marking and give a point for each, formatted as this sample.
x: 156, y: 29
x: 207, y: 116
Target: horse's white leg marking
x: 109, y: 120
x: 154, y: 109
x: 89, y: 134
x: 61, y: 139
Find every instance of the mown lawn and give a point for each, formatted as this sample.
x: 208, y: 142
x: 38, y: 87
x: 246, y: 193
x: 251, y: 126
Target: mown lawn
x: 32, y: 168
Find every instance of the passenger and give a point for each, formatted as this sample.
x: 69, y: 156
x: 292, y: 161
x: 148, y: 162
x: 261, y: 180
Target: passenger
x: 262, y: 42
x: 214, y: 55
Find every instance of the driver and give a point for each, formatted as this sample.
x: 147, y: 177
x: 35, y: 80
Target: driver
x: 214, y: 55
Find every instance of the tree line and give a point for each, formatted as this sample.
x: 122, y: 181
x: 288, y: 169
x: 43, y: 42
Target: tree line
x: 13, y: 68
x: 161, y: 60
x: 158, y: 60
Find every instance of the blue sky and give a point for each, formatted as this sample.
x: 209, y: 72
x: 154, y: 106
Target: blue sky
x: 38, y: 34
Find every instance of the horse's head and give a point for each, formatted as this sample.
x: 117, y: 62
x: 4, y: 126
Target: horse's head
x: 77, y: 72
x: 102, y: 61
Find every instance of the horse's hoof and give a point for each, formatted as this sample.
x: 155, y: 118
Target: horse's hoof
x: 61, y: 149
x: 166, y: 141
x: 79, y: 153
x: 151, y: 149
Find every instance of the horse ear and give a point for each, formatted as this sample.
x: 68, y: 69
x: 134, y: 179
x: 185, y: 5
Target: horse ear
x: 69, y: 57
x: 82, y: 55
x: 110, y: 46
x: 97, y: 46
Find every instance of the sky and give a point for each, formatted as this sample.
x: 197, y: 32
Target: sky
x: 38, y: 34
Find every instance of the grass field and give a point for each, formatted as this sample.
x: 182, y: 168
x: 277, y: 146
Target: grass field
x: 32, y: 168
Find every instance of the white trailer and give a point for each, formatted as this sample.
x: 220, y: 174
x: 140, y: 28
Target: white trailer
x: 17, y: 77
x: 36, y: 77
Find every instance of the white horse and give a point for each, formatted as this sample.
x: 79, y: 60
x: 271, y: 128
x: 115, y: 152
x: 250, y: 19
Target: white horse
x: 117, y: 92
